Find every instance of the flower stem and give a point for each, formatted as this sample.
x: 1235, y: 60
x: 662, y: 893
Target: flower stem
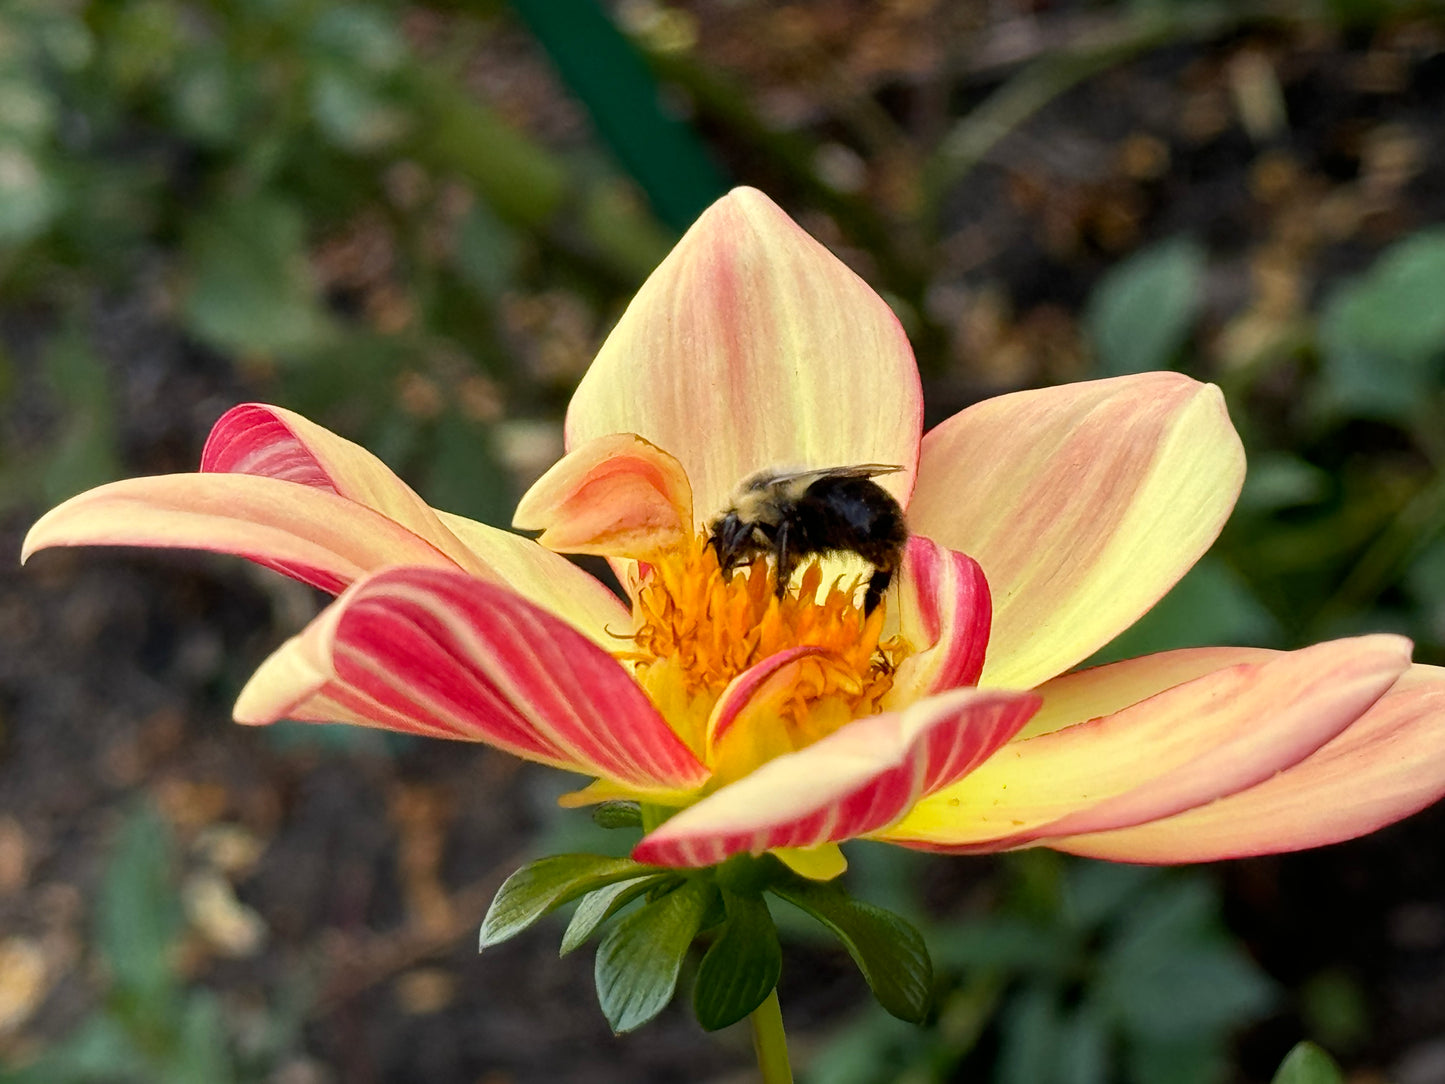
x: 771, y: 1042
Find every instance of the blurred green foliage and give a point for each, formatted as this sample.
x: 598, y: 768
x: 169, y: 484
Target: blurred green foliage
x: 152, y: 1027
x: 1081, y: 973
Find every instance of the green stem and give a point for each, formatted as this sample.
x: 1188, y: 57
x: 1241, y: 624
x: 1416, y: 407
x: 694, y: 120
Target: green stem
x: 771, y: 1042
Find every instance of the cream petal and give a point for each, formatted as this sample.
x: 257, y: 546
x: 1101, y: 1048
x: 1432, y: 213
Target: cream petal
x: 1083, y: 504
x: 1182, y: 747
x: 1389, y: 764
x: 311, y: 534
x: 273, y: 442
x: 752, y: 346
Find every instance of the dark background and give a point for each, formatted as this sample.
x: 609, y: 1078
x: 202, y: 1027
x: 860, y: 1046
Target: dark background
x: 414, y: 223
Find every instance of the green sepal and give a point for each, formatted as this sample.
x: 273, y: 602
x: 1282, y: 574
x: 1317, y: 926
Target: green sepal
x: 602, y: 903
x: 890, y: 953
x: 639, y: 958
x: 1308, y: 1064
x: 742, y: 966
x: 617, y: 814
x: 539, y: 886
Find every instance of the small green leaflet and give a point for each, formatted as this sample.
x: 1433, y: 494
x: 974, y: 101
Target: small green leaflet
x: 742, y: 966
x: 601, y: 904
x: 890, y: 953
x: 1308, y: 1064
x: 640, y: 957
x: 539, y: 886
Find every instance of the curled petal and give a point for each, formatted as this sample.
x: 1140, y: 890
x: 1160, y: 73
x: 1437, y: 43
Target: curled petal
x: 545, y: 578
x: 1083, y: 503
x: 617, y: 495
x: 744, y: 728
x: 1389, y: 764
x: 1184, y: 747
x: 310, y: 534
x: 436, y: 652
x: 857, y: 780
x: 752, y: 346
x: 944, y: 611
x: 272, y: 442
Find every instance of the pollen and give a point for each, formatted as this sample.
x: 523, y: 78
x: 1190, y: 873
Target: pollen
x: 697, y: 628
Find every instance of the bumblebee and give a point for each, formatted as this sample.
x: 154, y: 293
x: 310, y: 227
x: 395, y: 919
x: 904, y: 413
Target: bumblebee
x: 794, y: 515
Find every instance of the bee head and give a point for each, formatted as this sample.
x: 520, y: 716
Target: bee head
x: 729, y: 535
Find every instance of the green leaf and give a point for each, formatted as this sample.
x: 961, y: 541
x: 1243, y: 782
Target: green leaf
x: 251, y: 289
x: 203, y: 1056
x: 1142, y: 311
x: 742, y: 966
x: 99, y: 1051
x: 1308, y: 1064
x: 1173, y: 978
x: 1031, y: 1038
x: 1380, y: 334
x: 890, y: 953
x: 539, y: 886
x: 639, y: 959
x: 1184, y: 1061
x: 138, y: 915
x: 598, y: 906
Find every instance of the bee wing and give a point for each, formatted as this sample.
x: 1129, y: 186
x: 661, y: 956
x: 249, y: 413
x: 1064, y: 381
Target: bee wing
x: 857, y: 470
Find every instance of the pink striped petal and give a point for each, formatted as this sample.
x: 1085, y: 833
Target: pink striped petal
x: 272, y: 442
x: 276, y: 443
x: 752, y: 346
x: 1186, y: 746
x: 944, y: 611
x: 310, y: 534
x: 1083, y: 503
x: 857, y: 780
x: 618, y: 496
x: 436, y: 652
x: 1389, y: 764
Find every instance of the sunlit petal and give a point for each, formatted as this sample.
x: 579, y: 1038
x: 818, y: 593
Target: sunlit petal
x: 311, y: 534
x: 437, y: 652
x: 618, y: 496
x: 1389, y: 764
x: 273, y: 442
x: 753, y: 346
x: 944, y: 612
x: 1186, y: 746
x: 855, y: 781
x: 1083, y: 503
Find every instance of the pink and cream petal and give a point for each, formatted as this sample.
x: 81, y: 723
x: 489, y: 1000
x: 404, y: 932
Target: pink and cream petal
x: 311, y: 534
x: 944, y: 611
x: 1389, y: 764
x: 1186, y: 746
x: 272, y: 442
x: 617, y: 496
x: 752, y: 346
x: 856, y: 781
x: 545, y: 578
x: 1083, y: 504
x: 438, y: 652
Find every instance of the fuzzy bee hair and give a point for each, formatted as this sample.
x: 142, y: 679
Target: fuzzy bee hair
x: 796, y: 514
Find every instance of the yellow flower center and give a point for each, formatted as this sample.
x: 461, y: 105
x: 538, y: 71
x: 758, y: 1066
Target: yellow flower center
x: 697, y: 629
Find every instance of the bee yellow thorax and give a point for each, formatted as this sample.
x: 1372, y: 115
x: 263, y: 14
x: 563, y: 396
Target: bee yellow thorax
x: 696, y: 629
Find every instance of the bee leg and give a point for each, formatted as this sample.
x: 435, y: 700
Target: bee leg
x: 785, y: 561
x: 877, y: 584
